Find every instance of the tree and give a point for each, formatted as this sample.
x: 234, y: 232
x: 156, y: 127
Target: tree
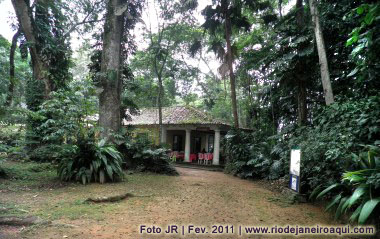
x: 325, y: 74
x: 221, y: 19
x: 12, y: 79
x: 29, y: 28
x: 302, y: 76
x: 121, y: 17
x: 109, y: 98
x: 228, y: 32
x: 172, y: 19
x: 22, y: 72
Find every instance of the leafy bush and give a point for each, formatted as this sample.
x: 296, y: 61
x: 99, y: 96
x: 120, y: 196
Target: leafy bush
x: 249, y: 156
x: 338, y: 131
x: 91, y: 162
x: 359, y: 190
x: 69, y: 138
x: 140, y: 153
x: 11, y: 140
x: 64, y: 119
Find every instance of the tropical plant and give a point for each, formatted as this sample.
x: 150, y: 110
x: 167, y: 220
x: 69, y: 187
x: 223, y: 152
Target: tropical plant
x: 327, y: 145
x: 364, y: 42
x: 250, y: 156
x: 70, y: 136
x: 141, y: 154
x: 359, y: 191
x: 91, y: 162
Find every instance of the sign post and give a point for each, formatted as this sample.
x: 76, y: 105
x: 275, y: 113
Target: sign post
x: 295, y: 169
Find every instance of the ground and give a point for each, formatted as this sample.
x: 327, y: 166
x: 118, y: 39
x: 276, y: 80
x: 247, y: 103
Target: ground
x: 195, y: 197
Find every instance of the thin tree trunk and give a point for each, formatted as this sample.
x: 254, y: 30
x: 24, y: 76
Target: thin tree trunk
x: 159, y: 104
x: 325, y: 74
x: 280, y: 8
x: 40, y: 70
x: 9, y: 99
x: 301, y: 98
x: 230, y: 65
x: 109, y: 98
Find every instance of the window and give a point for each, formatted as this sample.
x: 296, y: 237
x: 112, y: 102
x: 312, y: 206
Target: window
x: 177, y: 142
x: 210, y: 148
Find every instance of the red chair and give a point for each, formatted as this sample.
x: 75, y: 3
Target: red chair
x: 200, y: 158
x: 193, y: 157
x: 208, y: 158
x: 180, y: 156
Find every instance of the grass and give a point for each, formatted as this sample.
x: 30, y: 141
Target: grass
x: 34, y: 189
x: 26, y: 175
x: 10, y: 209
x: 281, y: 201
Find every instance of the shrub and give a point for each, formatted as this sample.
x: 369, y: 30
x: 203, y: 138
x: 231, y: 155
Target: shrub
x: 338, y: 131
x: 359, y: 190
x: 69, y: 138
x: 249, y: 156
x: 91, y: 162
x: 140, y: 153
x: 11, y: 140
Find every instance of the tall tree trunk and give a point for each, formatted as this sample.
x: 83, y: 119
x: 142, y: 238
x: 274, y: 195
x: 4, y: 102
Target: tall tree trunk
x: 9, y: 99
x: 228, y: 32
x: 301, y: 76
x: 325, y: 74
x: 300, y: 13
x: 109, y: 98
x: 40, y: 70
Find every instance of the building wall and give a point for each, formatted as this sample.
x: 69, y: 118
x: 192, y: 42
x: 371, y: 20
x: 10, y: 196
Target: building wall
x: 170, y: 134
x: 151, y: 132
x: 193, y: 135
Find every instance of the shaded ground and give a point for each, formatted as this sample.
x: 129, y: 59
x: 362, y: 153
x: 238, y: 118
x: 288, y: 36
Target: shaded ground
x: 195, y: 197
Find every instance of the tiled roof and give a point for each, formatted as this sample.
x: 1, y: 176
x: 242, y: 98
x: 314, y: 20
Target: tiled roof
x: 176, y: 115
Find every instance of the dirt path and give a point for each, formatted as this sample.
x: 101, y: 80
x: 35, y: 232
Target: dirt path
x: 196, y: 197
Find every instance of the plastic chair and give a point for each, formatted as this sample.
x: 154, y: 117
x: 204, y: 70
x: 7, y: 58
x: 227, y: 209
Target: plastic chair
x: 200, y: 158
x: 208, y: 158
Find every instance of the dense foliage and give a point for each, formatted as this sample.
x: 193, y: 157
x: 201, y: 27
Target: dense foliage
x: 70, y: 137
x: 358, y: 192
x: 141, y: 154
x: 337, y: 131
x: 88, y: 161
x: 267, y: 55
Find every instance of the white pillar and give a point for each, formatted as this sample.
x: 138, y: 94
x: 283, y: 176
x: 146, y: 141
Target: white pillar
x: 215, y: 160
x: 187, y: 146
x: 164, y: 135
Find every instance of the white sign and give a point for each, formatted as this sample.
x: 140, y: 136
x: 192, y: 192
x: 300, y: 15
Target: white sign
x: 295, y: 162
x: 294, y: 183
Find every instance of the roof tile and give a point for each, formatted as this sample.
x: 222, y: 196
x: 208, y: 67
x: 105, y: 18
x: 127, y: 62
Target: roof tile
x: 177, y: 115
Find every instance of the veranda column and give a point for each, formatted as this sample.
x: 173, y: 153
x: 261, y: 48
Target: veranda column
x: 164, y: 135
x: 187, y: 146
x: 215, y: 160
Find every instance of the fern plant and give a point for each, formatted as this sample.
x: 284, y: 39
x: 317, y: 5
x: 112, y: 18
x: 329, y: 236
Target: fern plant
x: 359, y: 190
